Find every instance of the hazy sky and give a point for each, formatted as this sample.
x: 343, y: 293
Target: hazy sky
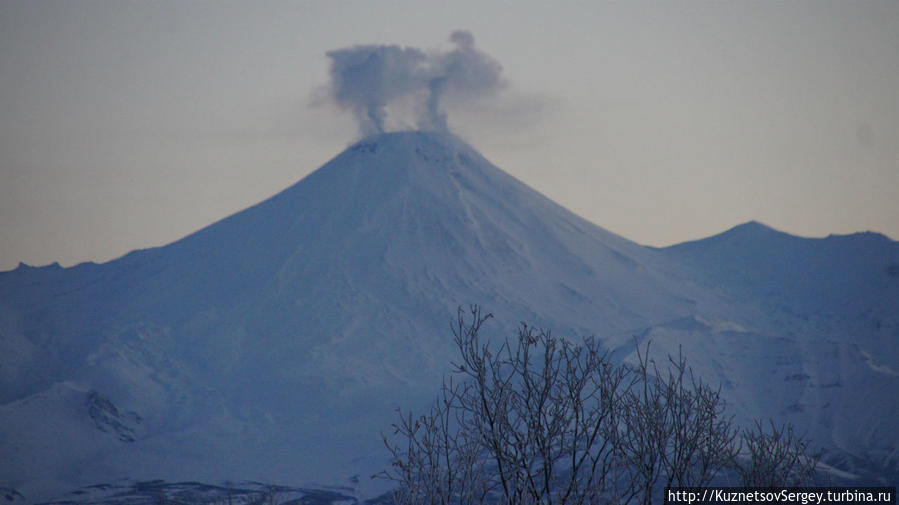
x: 127, y: 125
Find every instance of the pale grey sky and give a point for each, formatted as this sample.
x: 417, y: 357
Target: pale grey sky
x: 127, y: 125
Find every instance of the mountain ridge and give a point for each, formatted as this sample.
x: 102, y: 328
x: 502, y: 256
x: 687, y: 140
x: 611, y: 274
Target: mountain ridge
x: 296, y: 326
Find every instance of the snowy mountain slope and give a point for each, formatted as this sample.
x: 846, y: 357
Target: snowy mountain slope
x: 828, y: 309
x: 275, y: 344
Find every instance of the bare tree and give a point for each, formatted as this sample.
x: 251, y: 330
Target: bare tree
x: 675, y: 432
x: 543, y: 409
x: 537, y: 419
x: 439, y: 463
x: 532, y: 421
x: 776, y: 458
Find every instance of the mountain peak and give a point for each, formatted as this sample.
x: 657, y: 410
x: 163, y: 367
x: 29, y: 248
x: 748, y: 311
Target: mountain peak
x: 410, y: 136
x: 754, y: 229
x: 414, y: 146
x: 750, y: 233
x: 405, y: 140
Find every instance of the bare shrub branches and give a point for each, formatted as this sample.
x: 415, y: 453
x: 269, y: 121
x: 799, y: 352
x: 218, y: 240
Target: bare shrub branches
x: 777, y: 457
x: 674, y: 428
x: 542, y: 408
x: 537, y: 419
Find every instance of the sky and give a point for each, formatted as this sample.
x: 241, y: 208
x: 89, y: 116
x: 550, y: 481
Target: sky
x: 127, y: 125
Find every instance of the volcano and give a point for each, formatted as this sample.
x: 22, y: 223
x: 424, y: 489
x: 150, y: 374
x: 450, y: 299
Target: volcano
x: 276, y: 344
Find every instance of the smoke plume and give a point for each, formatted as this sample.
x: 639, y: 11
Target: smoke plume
x: 373, y: 80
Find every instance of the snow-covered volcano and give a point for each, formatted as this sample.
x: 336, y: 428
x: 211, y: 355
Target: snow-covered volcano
x: 275, y: 345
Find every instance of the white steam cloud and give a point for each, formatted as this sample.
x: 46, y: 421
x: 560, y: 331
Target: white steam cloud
x: 372, y: 80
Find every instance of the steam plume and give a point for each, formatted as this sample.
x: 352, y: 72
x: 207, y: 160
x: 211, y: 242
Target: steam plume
x: 370, y: 80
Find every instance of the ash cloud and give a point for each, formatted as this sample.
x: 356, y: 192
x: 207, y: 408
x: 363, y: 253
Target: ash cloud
x: 372, y: 81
